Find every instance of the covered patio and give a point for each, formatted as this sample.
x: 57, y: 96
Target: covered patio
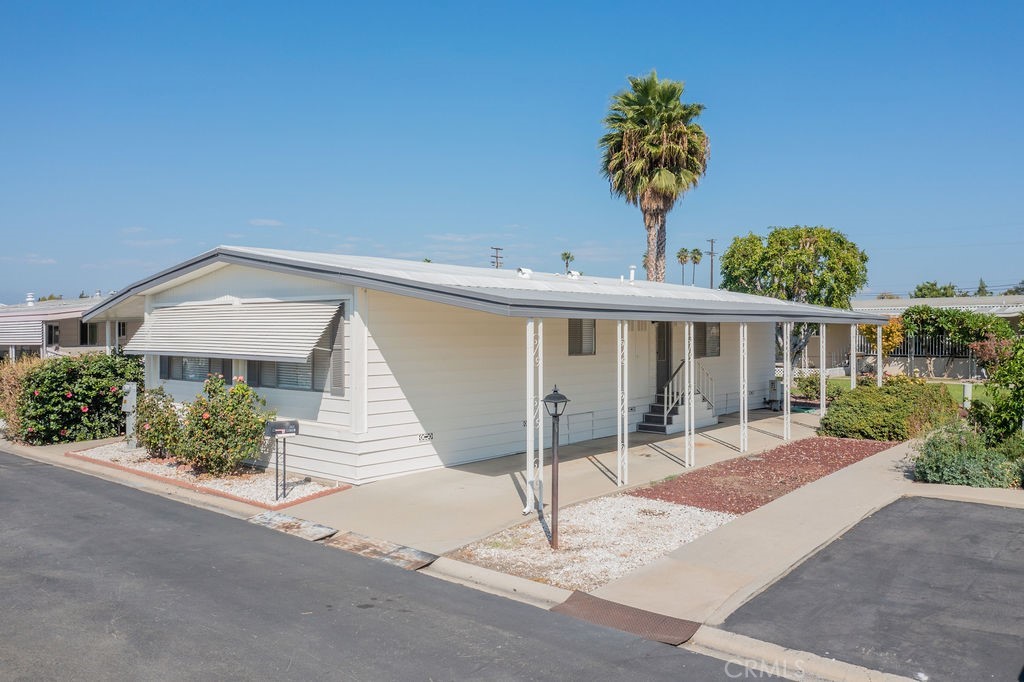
x: 443, y: 509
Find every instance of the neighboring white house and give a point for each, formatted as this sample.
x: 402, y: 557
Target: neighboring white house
x: 395, y: 366
x: 55, y: 327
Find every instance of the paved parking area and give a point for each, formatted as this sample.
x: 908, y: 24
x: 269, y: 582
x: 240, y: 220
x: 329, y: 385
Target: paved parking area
x: 925, y: 588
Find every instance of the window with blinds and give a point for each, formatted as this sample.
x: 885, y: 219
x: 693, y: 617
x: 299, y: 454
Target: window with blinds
x: 194, y: 369
x: 582, y: 337
x: 707, y: 339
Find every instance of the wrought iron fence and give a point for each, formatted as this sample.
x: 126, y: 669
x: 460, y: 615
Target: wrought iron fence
x: 938, y: 346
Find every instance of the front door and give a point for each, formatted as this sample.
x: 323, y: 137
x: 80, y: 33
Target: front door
x: 664, y: 352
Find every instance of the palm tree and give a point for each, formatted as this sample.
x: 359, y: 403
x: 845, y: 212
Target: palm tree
x: 567, y: 258
x: 653, y: 152
x: 683, y: 256
x: 695, y: 257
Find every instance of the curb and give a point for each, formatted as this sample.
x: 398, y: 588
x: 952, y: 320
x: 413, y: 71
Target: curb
x: 199, y: 488
x: 778, y: 660
x: 501, y: 584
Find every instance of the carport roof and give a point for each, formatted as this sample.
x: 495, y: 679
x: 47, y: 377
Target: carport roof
x: 508, y: 292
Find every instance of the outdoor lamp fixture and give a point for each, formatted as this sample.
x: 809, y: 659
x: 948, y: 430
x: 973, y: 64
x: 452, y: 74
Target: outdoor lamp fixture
x: 554, y: 403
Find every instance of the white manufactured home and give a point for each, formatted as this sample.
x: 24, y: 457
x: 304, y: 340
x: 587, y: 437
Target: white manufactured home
x: 55, y: 327
x: 395, y: 366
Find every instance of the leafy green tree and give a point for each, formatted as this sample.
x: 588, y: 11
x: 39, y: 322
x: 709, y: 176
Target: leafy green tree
x: 683, y: 256
x: 982, y: 289
x: 652, y: 153
x: 886, y: 295
x: 932, y: 289
x: 695, y: 257
x: 52, y: 297
x: 816, y: 265
x: 1017, y: 290
x: 567, y: 258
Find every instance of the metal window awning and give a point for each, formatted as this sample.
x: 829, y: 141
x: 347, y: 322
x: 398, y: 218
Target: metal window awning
x: 20, y: 333
x: 278, y: 331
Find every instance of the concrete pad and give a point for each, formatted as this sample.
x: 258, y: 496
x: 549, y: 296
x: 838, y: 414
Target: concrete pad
x: 444, y: 509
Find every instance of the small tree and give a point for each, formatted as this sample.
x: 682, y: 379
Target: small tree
x: 982, y: 289
x: 932, y: 289
x: 567, y: 258
x: 805, y: 264
x: 683, y: 256
x: 893, y: 334
x: 695, y: 257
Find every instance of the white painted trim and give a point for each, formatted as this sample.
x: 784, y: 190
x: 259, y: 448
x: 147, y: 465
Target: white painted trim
x: 358, y: 322
x: 822, y: 374
x: 787, y: 381
x: 878, y: 355
x: 853, y: 356
x: 744, y: 390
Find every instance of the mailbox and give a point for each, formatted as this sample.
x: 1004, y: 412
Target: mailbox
x: 284, y: 427
x: 129, y: 395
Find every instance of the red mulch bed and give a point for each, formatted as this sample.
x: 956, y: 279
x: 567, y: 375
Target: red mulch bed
x: 743, y: 484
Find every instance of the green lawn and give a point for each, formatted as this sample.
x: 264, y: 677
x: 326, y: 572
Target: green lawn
x: 955, y: 388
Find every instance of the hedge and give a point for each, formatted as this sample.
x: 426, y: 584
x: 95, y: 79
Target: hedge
x: 897, y: 411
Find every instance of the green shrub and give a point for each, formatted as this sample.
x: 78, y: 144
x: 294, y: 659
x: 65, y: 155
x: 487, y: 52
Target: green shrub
x: 223, y: 427
x: 157, y: 425
x: 957, y: 455
x: 808, y: 387
x: 71, y: 399
x: 894, y: 412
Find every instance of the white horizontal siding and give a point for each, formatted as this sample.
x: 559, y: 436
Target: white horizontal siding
x: 244, y: 282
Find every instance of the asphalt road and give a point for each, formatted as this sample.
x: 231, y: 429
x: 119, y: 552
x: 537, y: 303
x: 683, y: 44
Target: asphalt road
x: 928, y: 589
x: 102, y: 581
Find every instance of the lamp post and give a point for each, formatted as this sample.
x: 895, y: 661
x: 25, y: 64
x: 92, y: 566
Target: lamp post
x: 554, y: 403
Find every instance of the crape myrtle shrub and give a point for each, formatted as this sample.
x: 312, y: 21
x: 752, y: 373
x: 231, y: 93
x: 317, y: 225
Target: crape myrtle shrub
x: 899, y: 410
x: 69, y: 399
x: 958, y: 455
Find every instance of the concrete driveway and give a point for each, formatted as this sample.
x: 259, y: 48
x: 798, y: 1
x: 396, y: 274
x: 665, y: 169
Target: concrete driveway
x: 925, y: 588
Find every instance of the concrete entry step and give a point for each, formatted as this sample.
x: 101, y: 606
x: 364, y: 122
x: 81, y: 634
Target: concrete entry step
x: 382, y: 550
x: 646, y: 624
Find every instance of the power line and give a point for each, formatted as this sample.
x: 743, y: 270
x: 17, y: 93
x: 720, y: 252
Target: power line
x: 712, y: 254
x: 496, y: 257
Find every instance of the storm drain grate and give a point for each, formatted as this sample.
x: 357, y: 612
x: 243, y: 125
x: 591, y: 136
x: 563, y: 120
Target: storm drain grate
x: 382, y: 550
x: 653, y: 626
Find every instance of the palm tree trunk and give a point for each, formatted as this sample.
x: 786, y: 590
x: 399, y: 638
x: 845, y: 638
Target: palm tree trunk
x: 659, y: 266
x: 651, y: 224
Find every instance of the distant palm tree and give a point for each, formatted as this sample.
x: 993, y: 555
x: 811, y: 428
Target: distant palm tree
x: 567, y: 258
x: 683, y: 256
x: 695, y: 257
x: 653, y: 153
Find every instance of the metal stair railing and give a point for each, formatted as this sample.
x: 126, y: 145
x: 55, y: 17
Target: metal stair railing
x: 673, y: 392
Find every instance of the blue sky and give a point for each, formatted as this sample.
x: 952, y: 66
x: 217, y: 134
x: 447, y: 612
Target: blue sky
x: 135, y: 135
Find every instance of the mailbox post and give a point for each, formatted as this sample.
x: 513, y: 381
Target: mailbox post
x: 280, y: 431
x: 129, y: 398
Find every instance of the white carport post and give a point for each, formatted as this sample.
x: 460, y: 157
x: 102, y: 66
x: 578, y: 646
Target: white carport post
x: 822, y: 379
x: 787, y: 380
x: 690, y: 457
x: 622, y: 401
x: 534, y: 419
x: 743, y: 387
x: 878, y: 355
x: 853, y: 356
x: 106, y: 331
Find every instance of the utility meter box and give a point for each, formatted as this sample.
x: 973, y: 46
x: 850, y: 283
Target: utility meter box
x: 129, y: 396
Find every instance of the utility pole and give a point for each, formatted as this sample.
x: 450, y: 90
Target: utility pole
x: 496, y: 257
x: 712, y: 254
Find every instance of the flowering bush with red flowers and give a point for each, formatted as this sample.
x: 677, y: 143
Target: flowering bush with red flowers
x: 69, y: 399
x: 223, y: 427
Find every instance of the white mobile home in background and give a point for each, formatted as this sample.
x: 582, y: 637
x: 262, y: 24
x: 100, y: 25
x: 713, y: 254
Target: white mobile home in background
x: 395, y: 366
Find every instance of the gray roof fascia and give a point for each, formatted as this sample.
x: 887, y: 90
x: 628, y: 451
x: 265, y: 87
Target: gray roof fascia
x: 490, y: 301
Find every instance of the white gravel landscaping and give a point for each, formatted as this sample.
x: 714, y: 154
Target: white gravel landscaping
x: 255, y: 486
x: 599, y: 541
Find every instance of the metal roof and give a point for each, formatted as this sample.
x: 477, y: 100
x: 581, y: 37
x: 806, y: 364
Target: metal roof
x: 508, y: 292
x: 42, y: 311
x: 1002, y: 306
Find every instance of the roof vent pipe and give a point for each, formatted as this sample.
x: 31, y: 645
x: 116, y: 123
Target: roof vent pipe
x: 632, y: 273
x: 30, y: 298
